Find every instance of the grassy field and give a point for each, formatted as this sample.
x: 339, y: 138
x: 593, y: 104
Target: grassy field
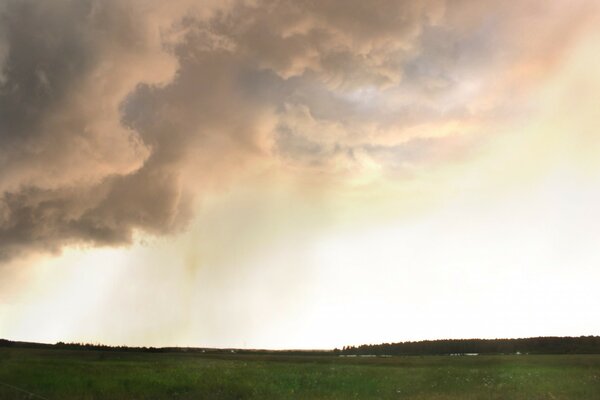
x: 62, y: 374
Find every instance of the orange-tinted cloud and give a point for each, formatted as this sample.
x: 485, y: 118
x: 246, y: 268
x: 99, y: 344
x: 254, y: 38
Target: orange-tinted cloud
x: 115, y: 115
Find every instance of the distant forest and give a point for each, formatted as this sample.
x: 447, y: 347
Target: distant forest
x: 537, y: 345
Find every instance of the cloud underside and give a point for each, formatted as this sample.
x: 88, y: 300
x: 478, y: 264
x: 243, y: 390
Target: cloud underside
x: 115, y: 116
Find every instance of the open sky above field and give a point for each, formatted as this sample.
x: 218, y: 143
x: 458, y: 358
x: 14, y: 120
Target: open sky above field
x: 298, y: 174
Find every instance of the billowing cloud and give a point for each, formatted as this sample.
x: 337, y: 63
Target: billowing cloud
x: 71, y: 170
x: 115, y: 115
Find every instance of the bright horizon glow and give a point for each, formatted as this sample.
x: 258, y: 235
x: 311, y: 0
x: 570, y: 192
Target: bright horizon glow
x: 405, y: 191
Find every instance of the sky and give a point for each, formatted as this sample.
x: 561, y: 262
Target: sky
x: 298, y: 174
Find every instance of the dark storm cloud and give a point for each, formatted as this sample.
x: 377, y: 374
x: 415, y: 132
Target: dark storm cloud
x: 70, y: 171
x: 115, y: 114
x: 198, y: 124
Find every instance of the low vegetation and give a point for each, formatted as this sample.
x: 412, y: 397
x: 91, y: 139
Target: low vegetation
x: 54, y: 374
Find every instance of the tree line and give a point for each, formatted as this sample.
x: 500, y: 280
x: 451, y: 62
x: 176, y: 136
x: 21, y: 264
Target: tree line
x: 535, y: 345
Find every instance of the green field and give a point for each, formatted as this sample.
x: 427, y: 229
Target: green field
x: 63, y: 374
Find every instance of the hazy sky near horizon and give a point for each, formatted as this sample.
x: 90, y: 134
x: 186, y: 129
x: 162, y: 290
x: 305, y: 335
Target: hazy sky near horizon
x: 298, y: 174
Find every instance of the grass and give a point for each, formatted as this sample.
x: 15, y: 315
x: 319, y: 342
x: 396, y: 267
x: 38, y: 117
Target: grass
x: 65, y: 374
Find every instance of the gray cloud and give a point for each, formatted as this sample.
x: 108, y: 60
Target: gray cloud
x: 114, y: 115
x: 71, y: 171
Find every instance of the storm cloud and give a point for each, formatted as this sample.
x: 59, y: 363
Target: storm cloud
x: 116, y: 116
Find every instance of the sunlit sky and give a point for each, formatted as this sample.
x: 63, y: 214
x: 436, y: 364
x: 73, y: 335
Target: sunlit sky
x: 298, y: 174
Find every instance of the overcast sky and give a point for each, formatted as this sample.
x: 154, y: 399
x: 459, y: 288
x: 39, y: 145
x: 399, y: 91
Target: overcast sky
x: 298, y: 174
